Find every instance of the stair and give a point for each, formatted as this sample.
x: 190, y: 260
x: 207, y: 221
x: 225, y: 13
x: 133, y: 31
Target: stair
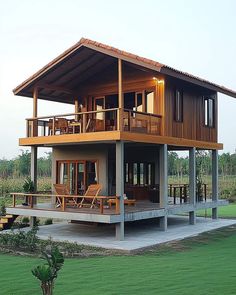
x: 7, y: 221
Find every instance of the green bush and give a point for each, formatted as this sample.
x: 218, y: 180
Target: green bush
x: 2, y: 208
x: 48, y: 221
x: 25, y: 220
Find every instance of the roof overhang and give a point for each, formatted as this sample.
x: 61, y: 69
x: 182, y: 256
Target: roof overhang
x: 59, y: 79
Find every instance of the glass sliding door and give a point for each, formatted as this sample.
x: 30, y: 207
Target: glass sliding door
x: 77, y: 175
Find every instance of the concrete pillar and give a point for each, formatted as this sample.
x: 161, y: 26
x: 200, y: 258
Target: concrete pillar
x: 163, y: 155
x: 192, y: 183
x: 163, y: 223
x: 215, y: 193
x: 32, y: 221
x: 33, y: 166
x: 33, y: 174
x: 120, y: 187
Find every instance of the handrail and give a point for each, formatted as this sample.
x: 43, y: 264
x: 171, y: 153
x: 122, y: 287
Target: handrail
x: 143, y: 113
x: 73, y: 114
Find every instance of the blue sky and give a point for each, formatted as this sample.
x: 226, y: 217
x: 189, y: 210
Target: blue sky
x: 193, y: 36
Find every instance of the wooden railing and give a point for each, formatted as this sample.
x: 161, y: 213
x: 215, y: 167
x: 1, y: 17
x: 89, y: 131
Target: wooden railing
x: 30, y: 201
x: 94, y: 121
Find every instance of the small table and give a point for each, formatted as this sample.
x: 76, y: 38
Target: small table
x: 74, y: 125
x: 128, y: 202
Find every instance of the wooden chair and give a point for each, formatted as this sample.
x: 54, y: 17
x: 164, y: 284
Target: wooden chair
x: 62, y: 189
x: 62, y: 125
x: 89, y: 198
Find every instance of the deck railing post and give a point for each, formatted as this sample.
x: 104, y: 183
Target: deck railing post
x: 120, y: 187
x: 215, y: 182
x: 192, y: 183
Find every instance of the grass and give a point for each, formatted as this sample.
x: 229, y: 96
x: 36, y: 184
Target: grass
x: 203, y: 266
x: 224, y: 212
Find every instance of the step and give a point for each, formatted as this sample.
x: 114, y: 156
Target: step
x: 1, y: 226
x: 4, y: 220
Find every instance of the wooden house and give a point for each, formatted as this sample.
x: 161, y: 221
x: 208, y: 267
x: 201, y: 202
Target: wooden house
x: 129, y: 111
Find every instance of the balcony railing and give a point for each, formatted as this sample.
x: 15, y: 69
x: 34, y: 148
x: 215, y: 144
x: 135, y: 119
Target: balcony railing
x: 94, y: 121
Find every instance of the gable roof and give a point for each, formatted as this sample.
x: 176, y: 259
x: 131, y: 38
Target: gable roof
x: 105, y: 50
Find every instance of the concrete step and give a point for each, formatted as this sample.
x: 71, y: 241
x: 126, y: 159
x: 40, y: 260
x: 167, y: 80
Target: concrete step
x: 4, y: 220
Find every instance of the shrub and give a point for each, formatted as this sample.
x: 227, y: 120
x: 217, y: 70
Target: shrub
x: 2, y: 209
x: 48, y: 221
x: 28, y: 185
x: 25, y: 220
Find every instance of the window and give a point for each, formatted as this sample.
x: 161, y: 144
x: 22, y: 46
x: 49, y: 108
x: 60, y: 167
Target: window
x: 137, y: 173
x: 178, y: 111
x: 150, y: 102
x: 209, y: 111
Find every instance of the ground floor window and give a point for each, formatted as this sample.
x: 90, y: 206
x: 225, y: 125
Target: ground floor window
x: 139, y: 173
x: 77, y: 175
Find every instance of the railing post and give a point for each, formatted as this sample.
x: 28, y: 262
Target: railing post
x: 53, y: 126
x: 84, y: 122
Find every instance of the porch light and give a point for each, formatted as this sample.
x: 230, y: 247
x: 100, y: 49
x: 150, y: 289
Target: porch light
x: 160, y: 81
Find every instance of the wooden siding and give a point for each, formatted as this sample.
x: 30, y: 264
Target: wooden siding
x: 192, y: 127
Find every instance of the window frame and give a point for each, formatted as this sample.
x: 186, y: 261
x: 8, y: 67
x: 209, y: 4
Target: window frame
x: 178, y: 106
x: 209, y: 113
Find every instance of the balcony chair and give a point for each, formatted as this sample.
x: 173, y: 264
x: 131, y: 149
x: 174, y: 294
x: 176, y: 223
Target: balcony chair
x: 62, y: 189
x: 90, y: 197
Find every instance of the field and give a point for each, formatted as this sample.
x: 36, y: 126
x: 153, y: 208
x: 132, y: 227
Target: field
x: 202, y: 266
x: 223, y: 212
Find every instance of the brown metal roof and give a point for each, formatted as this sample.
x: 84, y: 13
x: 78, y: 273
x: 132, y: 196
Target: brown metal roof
x: 86, y: 58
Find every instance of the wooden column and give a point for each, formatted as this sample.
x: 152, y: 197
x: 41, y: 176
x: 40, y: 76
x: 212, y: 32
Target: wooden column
x: 215, y: 192
x: 120, y: 187
x: 192, y: 183
x: 120, y: 97
x: 35, y: 102
x: 163, y: 156
x: 76, y: 108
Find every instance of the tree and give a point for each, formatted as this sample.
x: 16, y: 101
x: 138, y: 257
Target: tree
x: 47, y: 273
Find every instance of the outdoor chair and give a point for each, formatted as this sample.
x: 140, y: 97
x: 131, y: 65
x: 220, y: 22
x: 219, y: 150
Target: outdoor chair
x: 62, y: 189
x: 90, y: 197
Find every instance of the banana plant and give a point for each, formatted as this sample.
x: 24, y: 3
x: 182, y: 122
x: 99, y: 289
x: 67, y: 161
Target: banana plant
x: 48, y: 272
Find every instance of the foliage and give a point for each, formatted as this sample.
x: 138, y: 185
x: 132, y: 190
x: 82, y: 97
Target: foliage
x: 2, y: 209
x: 25, y: 220
x: 20, y: 240
x: 48, y: 272
x: 28, y: 186
x: 48, y: 221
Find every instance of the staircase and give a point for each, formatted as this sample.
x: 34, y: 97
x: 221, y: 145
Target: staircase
x: 7, y: 221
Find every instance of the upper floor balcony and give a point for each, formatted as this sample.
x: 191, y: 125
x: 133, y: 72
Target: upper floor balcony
x: 105, y: 120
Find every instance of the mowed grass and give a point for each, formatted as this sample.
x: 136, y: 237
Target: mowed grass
x: 205, y: 267
x: 223, y: 212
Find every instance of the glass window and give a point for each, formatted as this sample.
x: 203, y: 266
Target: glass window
x: 209, y: 112
x: 141, y: 174
x: 150, y: 102
x: 135, y: 173
x: 129, y: 100
x: 91, y: 173
x: 139, y: 102
x: 178, y: 106
x: 80, y: 178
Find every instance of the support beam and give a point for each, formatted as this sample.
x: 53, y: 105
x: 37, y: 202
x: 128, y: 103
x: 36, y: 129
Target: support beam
x: 215, y: 193
x: 163, y: 176
x: 192, y: 183
x: 163, y: 156
x: 76, y: 108
x: 35, y: 102
x: 32, y: 221
x: 192, y: 217
x: 33, y: 174
x: 163, y: 223
x: 120, y: 97
x: 120, y: 187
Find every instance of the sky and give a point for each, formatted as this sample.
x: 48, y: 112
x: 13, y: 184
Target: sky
x: 193, y: 36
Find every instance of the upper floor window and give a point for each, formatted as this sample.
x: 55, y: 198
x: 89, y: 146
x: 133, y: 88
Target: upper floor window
x: 209, y: 111
x: 178, y: 106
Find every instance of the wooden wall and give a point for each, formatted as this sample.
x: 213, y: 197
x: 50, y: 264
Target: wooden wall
x: 192, y: 126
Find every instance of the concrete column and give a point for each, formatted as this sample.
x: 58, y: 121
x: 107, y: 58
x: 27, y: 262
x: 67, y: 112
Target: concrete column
x: 33, y: 174
x: 215, y: 193
x: 120, y: 187
x: 163, y: 154
x: 192, y: 183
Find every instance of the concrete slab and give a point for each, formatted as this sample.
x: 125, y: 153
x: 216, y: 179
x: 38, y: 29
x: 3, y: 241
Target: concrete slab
x: 137, y: 235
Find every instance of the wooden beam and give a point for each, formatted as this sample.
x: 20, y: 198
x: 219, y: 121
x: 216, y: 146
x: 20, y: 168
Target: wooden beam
x: 54, y: 88
x: 35, y: 102
x: 120, y: 97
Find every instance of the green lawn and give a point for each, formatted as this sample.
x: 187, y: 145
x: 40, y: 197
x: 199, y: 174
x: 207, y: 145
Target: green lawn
x: 208, y: 267
x: 224, y: 211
